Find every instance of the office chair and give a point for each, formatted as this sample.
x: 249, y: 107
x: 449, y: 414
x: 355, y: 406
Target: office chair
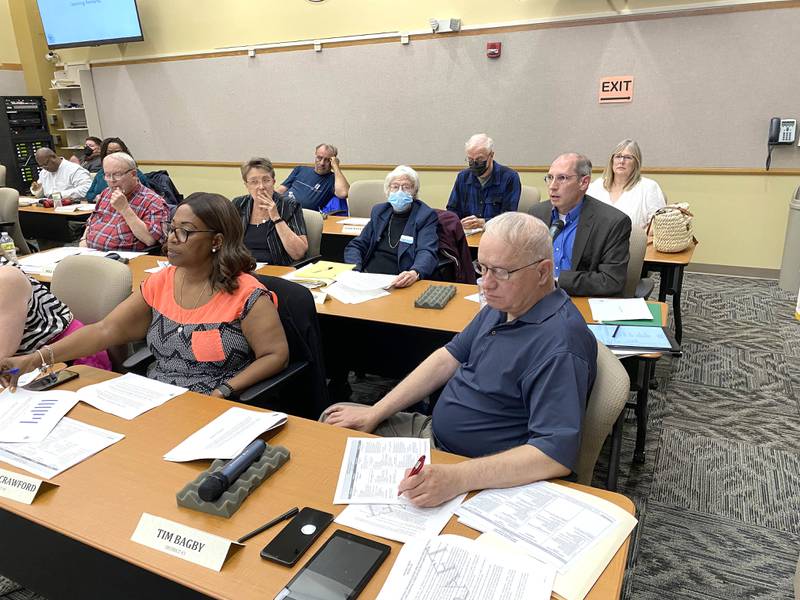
x: 528, y: 198
x: 637, y: 286
x: 300, y: 388
x: 9, y: 213
x: 603, y: 416
x: 455, y: 260
x: 364, y: 195
x: 2, y: 176
x: 92, y: 286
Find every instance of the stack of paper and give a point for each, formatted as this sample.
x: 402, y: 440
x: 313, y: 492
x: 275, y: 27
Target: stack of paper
x: 619, y: 309
x: 450, y: 567
x: 30, y: 416
x: 321, y: 271
x: 129, y: 396
x: 360, y: 221
x: 353, y: 287
x: 575, y: 533
x: 372, y: 469
x: 226, y: 436
x: 45, y: 262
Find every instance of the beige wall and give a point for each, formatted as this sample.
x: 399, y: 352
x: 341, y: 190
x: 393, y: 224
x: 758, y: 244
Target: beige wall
x: 8, y: 41
x: 740, y: 219
x: 177, y: 26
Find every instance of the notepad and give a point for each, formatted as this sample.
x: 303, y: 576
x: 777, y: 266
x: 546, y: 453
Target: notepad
x: 653, y: 321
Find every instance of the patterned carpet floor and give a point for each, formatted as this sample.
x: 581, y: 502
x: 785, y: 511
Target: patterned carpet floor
x: 718, y: 496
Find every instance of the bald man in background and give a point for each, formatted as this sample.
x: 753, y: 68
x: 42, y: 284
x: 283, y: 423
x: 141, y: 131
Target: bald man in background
x: 59, y: 175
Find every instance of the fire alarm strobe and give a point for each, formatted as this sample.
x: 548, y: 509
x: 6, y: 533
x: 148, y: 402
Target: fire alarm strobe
x: 493, y: 49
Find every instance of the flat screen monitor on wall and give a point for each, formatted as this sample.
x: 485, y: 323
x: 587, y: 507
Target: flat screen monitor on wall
x: 71, y: 23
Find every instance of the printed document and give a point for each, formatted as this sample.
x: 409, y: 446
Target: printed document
x: 451, y: 567
x: 226, y: 436
x: 573, y: 532
x: 129, y: 396
x: 400, y: 522
x: 27, y: 416
x: 348, y: 295
x: 69, y: 443
x: 619, y: 309
x: 372, y: 469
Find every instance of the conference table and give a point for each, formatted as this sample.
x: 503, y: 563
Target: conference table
x: 74, y: 540
x: 48, y: 224
x: 670, y: 266
x: 406, y: 335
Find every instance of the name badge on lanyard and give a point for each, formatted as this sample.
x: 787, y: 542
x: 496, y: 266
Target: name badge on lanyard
x: 406, y: 239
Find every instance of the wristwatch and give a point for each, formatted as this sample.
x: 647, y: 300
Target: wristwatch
x: 278, y: 220
x: 227, y: 390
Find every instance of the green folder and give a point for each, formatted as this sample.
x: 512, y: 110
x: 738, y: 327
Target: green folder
x: 655, y: 310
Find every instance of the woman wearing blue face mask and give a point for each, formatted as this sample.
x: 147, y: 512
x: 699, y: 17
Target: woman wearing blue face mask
x: 401, y: 237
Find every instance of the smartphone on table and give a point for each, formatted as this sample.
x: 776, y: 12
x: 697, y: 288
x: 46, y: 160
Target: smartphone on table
x: 297, y: 536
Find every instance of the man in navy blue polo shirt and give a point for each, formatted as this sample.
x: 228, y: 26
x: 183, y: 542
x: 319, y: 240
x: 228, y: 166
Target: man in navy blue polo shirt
x: 314, y: 188
x: 485, y: 189
x: 516, y: 380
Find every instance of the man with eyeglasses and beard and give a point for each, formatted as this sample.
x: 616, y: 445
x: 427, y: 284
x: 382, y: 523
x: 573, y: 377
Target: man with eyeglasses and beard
x: 486, y: 188
x: 128, y: 215
x: 516, y: 380
x: 591, y: 247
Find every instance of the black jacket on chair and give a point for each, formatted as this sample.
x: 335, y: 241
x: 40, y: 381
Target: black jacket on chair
x: 601, y: 250
x: 309, y: 395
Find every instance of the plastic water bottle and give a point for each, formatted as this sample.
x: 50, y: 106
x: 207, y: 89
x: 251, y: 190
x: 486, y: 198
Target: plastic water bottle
x: 481, y: 293
x: 8, y: 247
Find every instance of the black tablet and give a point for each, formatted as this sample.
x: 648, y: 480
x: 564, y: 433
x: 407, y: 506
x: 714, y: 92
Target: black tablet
x: 338, y: 571
x: 636, y: 338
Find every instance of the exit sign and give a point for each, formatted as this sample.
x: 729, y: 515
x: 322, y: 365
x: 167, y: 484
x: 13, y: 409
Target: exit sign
x: 615, y: 89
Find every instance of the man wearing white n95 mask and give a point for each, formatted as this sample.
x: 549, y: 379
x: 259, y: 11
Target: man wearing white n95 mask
x: 515, y: 380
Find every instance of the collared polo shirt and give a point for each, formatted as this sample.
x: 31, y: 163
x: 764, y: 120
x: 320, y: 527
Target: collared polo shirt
x: 499, y: 195
x: 565, y: 241
x: 520, y: 382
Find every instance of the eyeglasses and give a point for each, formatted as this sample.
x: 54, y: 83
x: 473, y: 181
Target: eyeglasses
x: 115, y: 176
x: 182, y: 234
x: 406, y: 187
x: 498, y: 272
x: 623, y: 157
x: 261, y: 181
x: 559, y: 179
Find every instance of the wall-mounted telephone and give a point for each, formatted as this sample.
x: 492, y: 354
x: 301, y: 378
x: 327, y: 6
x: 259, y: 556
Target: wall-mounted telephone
x: 781, y: 131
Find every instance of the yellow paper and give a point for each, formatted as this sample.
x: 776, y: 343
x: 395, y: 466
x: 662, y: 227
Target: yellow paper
x: 322, y: 270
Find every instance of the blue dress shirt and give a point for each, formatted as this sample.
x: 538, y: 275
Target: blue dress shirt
x: 499, y: 195
x: 562, y: 245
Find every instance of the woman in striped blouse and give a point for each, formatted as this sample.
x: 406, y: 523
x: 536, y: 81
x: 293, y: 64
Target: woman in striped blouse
x: 33, y: 317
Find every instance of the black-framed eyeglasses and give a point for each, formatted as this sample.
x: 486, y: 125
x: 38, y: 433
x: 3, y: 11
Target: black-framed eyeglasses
x: 182, y: 234
x: 498, y: 272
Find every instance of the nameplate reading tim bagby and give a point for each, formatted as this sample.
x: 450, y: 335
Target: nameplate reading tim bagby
x: 20, y: 488
x: 187, y: 543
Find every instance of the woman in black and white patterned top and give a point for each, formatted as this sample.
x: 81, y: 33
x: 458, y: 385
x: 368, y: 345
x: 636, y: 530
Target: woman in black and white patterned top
x: 32, y: 316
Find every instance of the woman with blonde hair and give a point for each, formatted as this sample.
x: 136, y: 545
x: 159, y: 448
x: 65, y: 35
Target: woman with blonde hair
x: 623, y: 187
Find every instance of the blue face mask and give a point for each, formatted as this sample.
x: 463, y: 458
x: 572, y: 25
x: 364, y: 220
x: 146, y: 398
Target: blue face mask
x: 400, y: 201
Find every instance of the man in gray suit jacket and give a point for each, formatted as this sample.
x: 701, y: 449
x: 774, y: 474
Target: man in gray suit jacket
x: 591, y: 251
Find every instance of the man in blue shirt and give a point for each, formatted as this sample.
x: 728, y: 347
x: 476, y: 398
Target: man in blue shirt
x: 485, y: 189
x: 516, y: 380
x: 313, y: 188
x: 591, y: 251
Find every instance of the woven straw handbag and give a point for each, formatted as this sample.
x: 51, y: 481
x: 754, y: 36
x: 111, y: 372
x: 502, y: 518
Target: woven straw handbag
x: 672, y: 228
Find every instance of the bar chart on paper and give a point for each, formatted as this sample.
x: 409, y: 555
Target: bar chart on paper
x: 30, y: 416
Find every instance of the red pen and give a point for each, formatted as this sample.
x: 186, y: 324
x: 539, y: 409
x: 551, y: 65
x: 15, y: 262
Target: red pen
x: 416, y: 468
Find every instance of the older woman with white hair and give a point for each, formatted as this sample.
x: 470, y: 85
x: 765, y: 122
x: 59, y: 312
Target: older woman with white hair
x: 401, y: 237
x: 623, y: 187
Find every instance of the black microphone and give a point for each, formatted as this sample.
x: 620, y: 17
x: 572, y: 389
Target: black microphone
x: 556, y: 228
x: 217, y: 483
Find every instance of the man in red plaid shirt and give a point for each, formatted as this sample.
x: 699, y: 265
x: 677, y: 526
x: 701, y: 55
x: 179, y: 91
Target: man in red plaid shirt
x: 128, y: 216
